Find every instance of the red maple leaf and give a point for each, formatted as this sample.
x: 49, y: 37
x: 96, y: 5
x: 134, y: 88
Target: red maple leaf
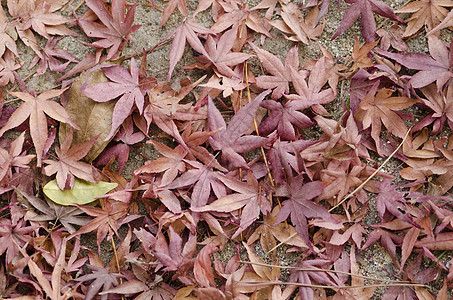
x: 300, y: 205
x: 13, y: 157
x: 201, y: 179
x: 48, y: 58
x: 220, y: 54
x: 441, y: 107
x: 308, y: 273
x: 229, y: 139
x: 106, y: 220
x: 285, y: 118
x: 392, y: 202
x: 187, y: 31
x: 123, y: 83
x: 376, y: 108
x: 115, y: 29
x: 250, y: 196
x: 127, y: 137
x: 14, y: 235
x: 310, y: 92
x: 40, y: 16
x: 68, y: 164
x: 365, y: 9
x: 172, y: 254
x: 170, y: 165
x: 281, y: 75
x: 35, y: 108
x: 436, y: 67
x: 8, y: 67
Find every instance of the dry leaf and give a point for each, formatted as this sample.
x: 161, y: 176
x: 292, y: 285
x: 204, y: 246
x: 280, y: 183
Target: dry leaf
x: 93, y: 118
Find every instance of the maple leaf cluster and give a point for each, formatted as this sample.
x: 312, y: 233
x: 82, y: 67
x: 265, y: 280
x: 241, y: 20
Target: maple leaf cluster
x: 238, y: 164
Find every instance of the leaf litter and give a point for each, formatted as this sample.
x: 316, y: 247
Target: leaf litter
x: 174, y: 213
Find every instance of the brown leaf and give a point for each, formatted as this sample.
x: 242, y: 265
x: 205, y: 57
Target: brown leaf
x: 360, y: 55
x: 302, y: 29
x: 379, y: 107
x: 442, y: 241
x: 408, y: 244
x: 203, y: 267
x: 424, y: 13
x: 93, y: 118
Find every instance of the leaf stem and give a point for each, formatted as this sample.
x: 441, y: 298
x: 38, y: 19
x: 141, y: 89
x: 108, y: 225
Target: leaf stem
x: 374, y: 173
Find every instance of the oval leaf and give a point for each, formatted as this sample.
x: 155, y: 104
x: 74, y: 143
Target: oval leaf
x: 83, y: 192
x: 93, y: 118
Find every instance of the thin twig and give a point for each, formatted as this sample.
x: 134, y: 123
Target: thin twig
x: 374, y: 173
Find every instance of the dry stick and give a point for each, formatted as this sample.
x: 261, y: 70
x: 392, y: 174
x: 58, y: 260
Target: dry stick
x: 77, y: 7
x: 117, y: 262
x: 101, y: 201
x: 322, y: 270
x: 67, y: 6
x: 374, y: 173
x: 266, y: 163
x: 353, y: 192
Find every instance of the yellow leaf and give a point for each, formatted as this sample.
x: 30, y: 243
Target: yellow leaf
x: 83, y: 192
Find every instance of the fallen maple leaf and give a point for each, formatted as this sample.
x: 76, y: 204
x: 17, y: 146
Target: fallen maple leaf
x: 49, y: 59
x: 281, y: 75
x: 35, y: 107
x: 172, y: 254
x: 8, y: 67
x: 429, y: 13
x: 202, y: 179
x: 186, y: 31
x: 440, y: 105
x: 436, y: 67
x: 14, y: 236
x: 392, y: 37
x: 170, y: 7
x: 170, y: 165
x: 7, y: 36
x: 127, y: 137
x: 238, y: 15
x: 229, y: 139
x: 202, y: 269
x: 164, y: 108
x: 391, y: 202
x: 360, y: 55
x: 106, y: 220
x: 103, y: 278
x: 300, y: 206
x: 311, y: 94
x: 284, y: 118
x: 116, y: 28
x: 250, y: 196
x: 123, y: 83
x: 301, y: 28
x: 66, y: 215
x: 14, y: 158
x: 379, y: 107
x: 308, y: 273
x: 40, y: 16
x: 220, y: 54
x: 365, y: 9
x: 68, y: 164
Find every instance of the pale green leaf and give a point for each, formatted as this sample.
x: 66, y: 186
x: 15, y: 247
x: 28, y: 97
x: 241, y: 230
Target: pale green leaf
x: 83, y: 192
